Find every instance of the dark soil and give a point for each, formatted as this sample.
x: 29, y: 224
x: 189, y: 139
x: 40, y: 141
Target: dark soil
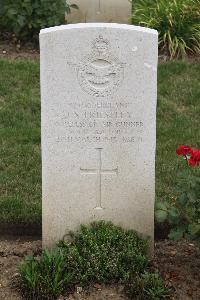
x: 11, y: 253
x: 178, y: 262
x: 21, y: 229
x: 15, y: 50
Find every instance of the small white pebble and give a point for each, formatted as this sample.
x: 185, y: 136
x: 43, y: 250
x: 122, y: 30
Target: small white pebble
x: 4, y: 52
x: 79, y: 289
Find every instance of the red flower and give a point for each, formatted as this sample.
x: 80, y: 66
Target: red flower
x: 184, y: 150
x: 194, y: 160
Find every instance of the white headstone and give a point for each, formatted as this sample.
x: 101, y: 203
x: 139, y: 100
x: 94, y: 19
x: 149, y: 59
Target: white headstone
x: 100, y: 11
x: 98, y: 91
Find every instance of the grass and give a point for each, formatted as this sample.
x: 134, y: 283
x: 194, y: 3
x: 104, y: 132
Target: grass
x: 20, y: 180
x: 20, y: 167
x: 177, y: 120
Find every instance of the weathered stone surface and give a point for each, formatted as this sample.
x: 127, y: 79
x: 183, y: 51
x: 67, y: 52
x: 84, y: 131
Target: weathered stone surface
x: 100, y: 11
x: 98, y: 91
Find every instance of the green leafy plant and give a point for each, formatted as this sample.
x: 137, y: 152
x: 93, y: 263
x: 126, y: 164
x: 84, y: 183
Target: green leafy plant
x: 25, y: 18
x: 177, y: 21
x: 183, y: 211
x: 102, y: 252
x: 99, y: 252
x: 148, y: 286
x: 45, y: 277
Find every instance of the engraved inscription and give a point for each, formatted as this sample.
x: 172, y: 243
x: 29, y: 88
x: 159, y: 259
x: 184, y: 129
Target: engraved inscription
x: 99, y: 172
x: 100, y: 73
x: 99, y: 122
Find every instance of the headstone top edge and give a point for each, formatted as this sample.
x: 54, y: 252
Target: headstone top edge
x: 98, y: 25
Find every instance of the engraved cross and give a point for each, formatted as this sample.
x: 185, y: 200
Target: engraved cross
x: 99, y: 172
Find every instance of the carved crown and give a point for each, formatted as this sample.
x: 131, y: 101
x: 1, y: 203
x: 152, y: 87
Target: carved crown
x: 100, y: 44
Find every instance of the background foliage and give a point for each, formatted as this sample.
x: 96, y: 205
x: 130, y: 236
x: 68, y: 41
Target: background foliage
x: 177, y: 21
x: 25, y: 18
